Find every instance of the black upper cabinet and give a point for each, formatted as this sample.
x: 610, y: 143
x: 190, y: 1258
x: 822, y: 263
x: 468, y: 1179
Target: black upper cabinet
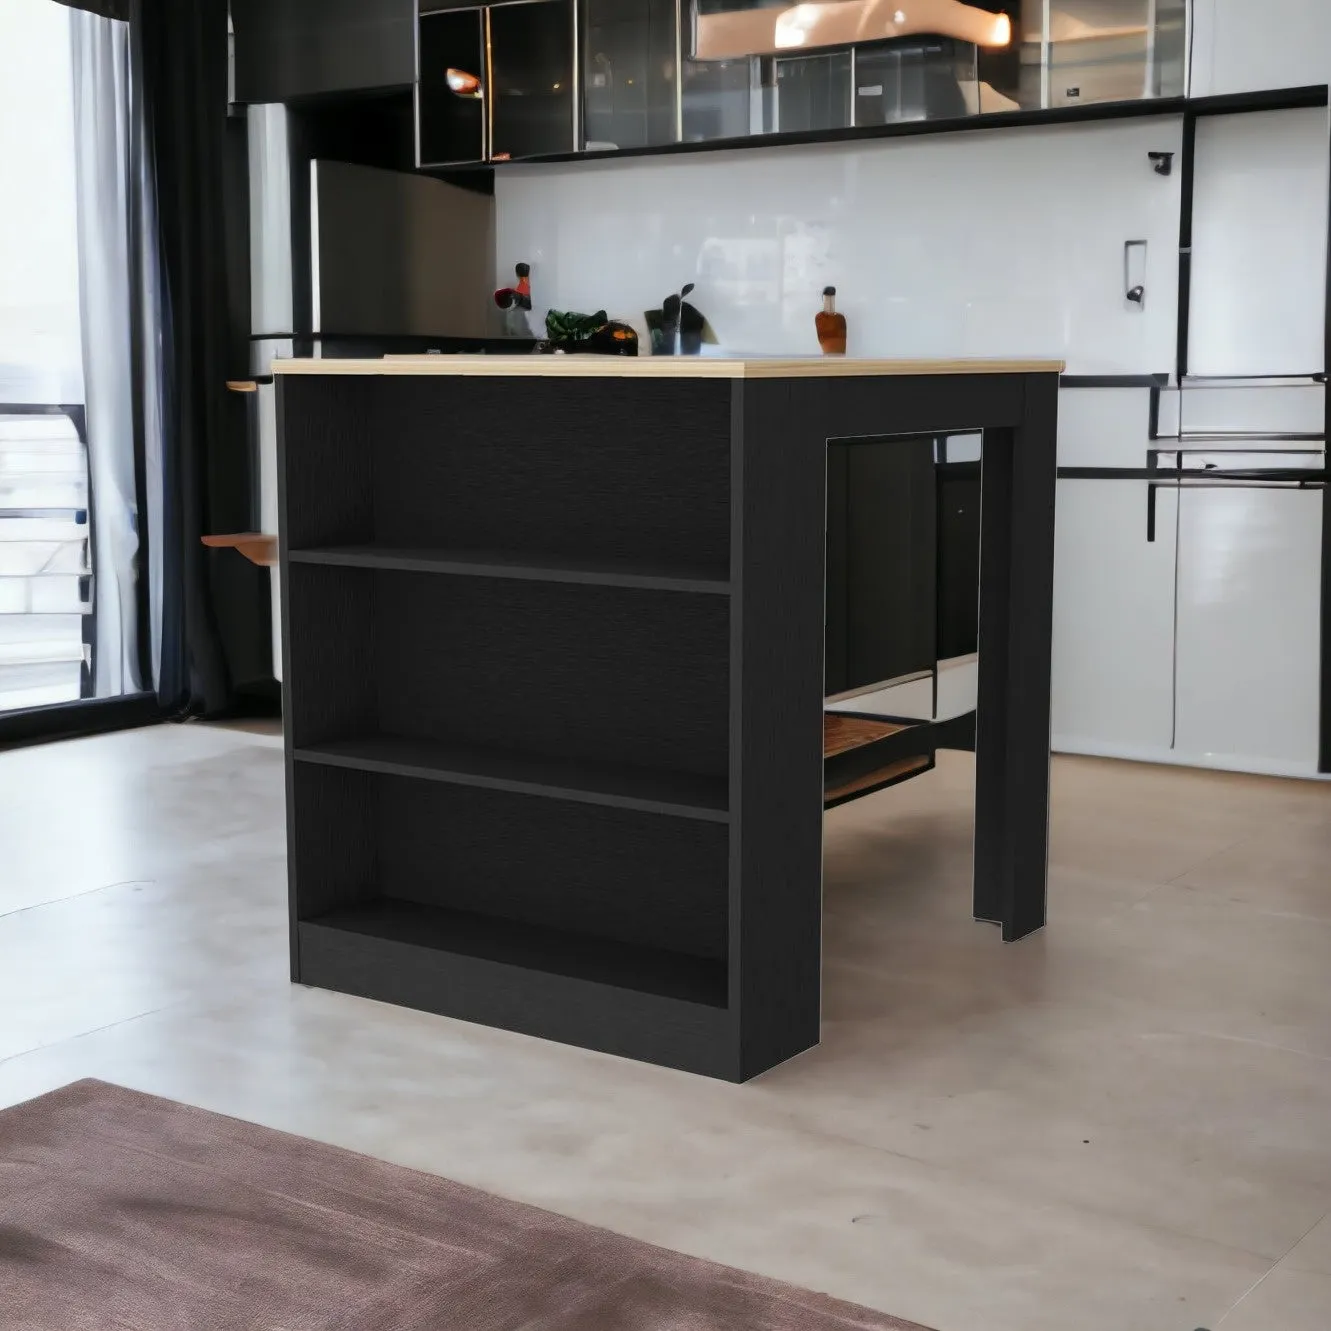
x: 533, y: 108
x: 451, y: 97
x: 628, y: 73
x: 291, y: 49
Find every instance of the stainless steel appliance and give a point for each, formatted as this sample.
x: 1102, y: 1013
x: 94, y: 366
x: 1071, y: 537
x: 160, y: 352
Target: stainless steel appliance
x: 352, y: 260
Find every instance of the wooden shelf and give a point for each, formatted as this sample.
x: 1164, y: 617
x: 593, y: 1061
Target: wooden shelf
x: 678, y: 795
x: 841, y: 734
x: 862, y: 755
x: 528, y: 947
x: 258, y: 547
x: 523, y: 567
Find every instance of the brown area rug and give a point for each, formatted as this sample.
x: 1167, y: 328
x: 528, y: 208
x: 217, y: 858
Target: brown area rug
x: 123, y: 1212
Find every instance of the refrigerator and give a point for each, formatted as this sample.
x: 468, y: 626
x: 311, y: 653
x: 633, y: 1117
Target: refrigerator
x: 352, y: 260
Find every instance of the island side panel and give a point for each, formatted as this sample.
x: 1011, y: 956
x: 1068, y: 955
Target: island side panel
x: 324, y: 434
x: 1018, y: 489
x: 778, y: 487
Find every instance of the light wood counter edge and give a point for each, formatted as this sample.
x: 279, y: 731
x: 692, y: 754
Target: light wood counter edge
x: 659, y: 367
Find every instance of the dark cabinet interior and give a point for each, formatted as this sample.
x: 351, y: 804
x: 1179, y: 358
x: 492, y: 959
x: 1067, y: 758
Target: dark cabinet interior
x: 903, y: 547
x: 531, y: 71
x: 628, y: 73
x: 814, y: 92
x: 289, y: 49
x: 451, y: 94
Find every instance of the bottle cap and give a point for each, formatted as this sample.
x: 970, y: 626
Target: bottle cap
x: 829, y: 291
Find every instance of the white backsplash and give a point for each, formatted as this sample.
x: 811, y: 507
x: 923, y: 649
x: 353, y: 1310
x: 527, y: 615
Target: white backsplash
x: 979, y: 243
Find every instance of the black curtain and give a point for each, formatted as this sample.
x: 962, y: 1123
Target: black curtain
x: 214, y: 606
x: 117, y: 9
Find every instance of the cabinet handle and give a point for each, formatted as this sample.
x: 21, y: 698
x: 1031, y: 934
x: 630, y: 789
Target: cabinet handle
x: 1151, y: 490
x: 1134, y: 283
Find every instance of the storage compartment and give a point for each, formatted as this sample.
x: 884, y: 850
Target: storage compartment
x: 536, y: 478
x: 451, y: 95
x: 531, y: 75
x: 604, y: 694
x: 628, y: 73
x: 605, y: 896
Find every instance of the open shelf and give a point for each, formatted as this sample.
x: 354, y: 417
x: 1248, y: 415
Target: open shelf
x: 600, y: 572
x: 862, y: 755
x: 598, y: 690
x: 676, y: 794
x: 535, y: 948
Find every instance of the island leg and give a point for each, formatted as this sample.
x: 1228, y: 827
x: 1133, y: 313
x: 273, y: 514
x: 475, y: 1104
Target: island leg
x: 1016, y: 626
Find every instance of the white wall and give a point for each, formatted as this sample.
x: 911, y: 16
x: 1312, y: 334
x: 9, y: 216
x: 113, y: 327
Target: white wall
x: 1248, y: 45
x: 987, y: 242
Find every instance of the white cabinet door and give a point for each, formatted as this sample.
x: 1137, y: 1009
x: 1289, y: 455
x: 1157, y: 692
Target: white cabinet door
x: 1249, y: 45
x: 1249, y: 608
x: 1104, y: 427
x: 1259, y: 243
x: 1113, y: 620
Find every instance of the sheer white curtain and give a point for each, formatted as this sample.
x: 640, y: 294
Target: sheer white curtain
x: 107, y: 235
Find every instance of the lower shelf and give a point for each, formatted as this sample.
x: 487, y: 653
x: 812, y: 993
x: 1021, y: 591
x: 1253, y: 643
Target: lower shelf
x: 647, y: 1004
x: 862, y: 755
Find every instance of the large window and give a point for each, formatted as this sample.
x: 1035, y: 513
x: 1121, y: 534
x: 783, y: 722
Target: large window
x: 67, y: 522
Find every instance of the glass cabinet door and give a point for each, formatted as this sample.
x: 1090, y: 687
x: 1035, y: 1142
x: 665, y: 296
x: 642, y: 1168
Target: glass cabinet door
x: 629, y: 55
x: 814, y: 92
x: 531, y: 69
x: 451, y: 93
x: 1079, y: 52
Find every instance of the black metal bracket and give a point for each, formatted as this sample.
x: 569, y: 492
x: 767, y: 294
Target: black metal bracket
x: 1162, y: 162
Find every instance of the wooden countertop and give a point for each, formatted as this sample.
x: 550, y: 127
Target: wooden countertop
x: 662, y: 367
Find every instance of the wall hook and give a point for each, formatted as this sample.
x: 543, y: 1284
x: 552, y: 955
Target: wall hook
x: 1162, y: 162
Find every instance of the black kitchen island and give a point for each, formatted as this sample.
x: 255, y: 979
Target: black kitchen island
x: 554, y: 687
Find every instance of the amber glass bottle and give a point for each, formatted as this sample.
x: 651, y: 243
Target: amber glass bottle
x: 831, y: 326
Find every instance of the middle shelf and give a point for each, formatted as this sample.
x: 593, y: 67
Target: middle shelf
x: 615, y: 785
x: 524, y: 567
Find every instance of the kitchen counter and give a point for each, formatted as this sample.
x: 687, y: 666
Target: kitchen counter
x: 663, y: 367
x: 555, y: 676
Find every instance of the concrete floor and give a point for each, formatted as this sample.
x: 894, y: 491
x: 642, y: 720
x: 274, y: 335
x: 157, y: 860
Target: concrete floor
x: 1122, y: 1124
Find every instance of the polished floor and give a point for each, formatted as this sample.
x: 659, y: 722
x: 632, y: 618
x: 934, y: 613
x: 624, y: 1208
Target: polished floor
x: 1122, y: 1124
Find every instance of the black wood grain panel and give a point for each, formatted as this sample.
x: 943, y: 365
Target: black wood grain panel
x: 329, y: 439
x: 330, y: 659
x: 845, y: 408
x: 691, y: 1036
x: 457, y: 934
x: 1016, y: 628
x: 331, y: 869
x: 838, y: 572
x: 780, y: 461
x: 602, y: 468
x: 892, y: 559
x: 958, y: 559
x: 642, y: 879
x: 597, y: 674
x: 288, y: 49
